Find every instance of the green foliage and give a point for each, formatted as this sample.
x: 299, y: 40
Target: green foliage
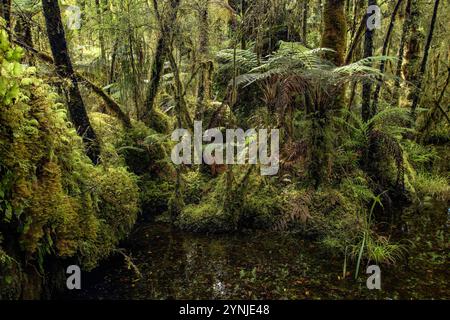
x: 421, y: 157
x: 435, y: 186
x: 155, y: 195
x: 254, y: 201
x: 57, y: 202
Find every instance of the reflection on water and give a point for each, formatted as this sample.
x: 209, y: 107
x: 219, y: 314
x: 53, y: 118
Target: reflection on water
x: 269, y: 266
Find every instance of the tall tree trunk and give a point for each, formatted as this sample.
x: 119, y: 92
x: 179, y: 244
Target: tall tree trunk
x: 411, y: 57
x: 334, y: 35
x: 203, y: 93
x: 401, y: 51
x: 366, y: 111
x: 155, y: 76
x: 423, y: 65
x: 23, y: 32
x: 384, y: 53
x: 160, y: 56
x: 101, y: 37
x: 64, y: 68
x: 305, y: 23
x: 6, y: 13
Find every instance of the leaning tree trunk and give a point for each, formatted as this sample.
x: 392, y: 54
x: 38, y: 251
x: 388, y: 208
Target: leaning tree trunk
x: 64, y: 69
x: 423, y: 65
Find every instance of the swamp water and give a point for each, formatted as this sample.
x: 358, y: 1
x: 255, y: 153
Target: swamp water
x: 268, y: 265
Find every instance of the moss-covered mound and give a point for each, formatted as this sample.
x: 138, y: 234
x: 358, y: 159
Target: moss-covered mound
x: 54, y: 204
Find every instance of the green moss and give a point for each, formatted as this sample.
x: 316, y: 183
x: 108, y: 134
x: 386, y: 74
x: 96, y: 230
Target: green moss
x: 205, y: 217
x: 53, y: 201
x: 160, y: 122
x: 431, y: 185
x: 155, y: 196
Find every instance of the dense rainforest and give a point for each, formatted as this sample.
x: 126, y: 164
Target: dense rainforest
x: 91, y: 92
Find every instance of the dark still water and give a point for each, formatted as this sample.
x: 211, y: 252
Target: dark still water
x: 177, y: 265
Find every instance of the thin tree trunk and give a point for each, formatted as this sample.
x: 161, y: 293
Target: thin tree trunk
x: 101, y: 37
x: 111, y: 104
x: 384, y: 53
x: 23, y: 31
x: 112, y: 69
x: 423, y: 65
x: 64, y: 68
x: 411, y: 57
x: 401, y: 51
x: 160, y: 56
x: 6, y: 13
x: 305, y: 23
x: 155, y: 77
x: 366, y: 111
x: 204, y: 85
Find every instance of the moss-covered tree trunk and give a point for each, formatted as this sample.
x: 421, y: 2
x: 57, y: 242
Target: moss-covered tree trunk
x: 64, y: 68
x: 401, y: 51
x: 203, y: 92
x: 334, y: 34
x: 305, y: 23
x: 411, y: 56
x: 157, y: 69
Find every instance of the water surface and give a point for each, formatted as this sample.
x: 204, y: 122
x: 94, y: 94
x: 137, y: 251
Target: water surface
x: 268, y: 265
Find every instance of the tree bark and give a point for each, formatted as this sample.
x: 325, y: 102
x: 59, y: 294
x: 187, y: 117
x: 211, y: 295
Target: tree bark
x: 411, y: 57
x: 401, y: 51
x: 423, y: 65
x: 112, y: 105
x: 366, y: 111
x: 334, y: 34
x: 305, y: 23
x: 384, y: 53
x: 101, y: 37
x: 160, y: 56
x: 6, y: 13
x: 64, y: 69
x: 203, y: 92
x: 155, y: 76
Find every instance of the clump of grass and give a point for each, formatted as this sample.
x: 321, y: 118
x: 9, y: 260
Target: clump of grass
x: 373, y: 247
x: 432, y: 185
